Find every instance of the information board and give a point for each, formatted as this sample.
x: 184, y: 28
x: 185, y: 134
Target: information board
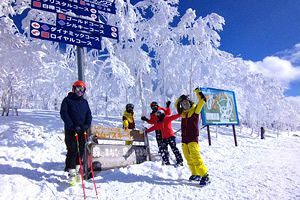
x: 220, y: 107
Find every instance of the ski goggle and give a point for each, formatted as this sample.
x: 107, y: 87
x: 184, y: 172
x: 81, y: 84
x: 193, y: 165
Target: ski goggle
x: 154, y: 107
x: 79, y: 89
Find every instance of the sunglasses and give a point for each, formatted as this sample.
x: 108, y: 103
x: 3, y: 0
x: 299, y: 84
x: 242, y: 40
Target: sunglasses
x: 79, y: 89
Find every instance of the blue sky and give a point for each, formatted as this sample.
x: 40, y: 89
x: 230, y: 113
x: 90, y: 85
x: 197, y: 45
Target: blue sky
x: 260, y: 31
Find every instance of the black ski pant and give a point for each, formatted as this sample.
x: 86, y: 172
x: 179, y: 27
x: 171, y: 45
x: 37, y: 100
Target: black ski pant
x: 159, y: 139
x: 165, y: 154
x: 72, y: 158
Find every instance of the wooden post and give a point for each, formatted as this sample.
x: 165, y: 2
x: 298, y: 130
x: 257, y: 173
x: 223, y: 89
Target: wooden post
x: 262, y: 133
x: 234, y: 135
x: 208, y: 133
x: 147, y: 145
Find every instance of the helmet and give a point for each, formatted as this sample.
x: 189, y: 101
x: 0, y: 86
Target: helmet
x: 184, y: 97
x: 79, y: 88
x: 129, y: 106
x: 153, y: 104
x: 160, y: 114
x: 79, y: 83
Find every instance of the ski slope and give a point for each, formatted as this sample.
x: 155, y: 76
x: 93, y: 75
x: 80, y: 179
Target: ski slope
x: 32, y: 154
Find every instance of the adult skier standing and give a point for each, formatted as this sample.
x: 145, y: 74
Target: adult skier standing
x: 190, y: 131
x: 77, y: 117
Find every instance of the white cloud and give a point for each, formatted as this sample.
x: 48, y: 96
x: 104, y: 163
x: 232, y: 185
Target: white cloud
x: 275, y: 67
x: 292, y: 55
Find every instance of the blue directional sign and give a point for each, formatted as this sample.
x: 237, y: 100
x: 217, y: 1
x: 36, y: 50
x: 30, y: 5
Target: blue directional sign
x: 45, y: 31
x: 102, y: 5
x: 79, y: 7
x: 83, y: 25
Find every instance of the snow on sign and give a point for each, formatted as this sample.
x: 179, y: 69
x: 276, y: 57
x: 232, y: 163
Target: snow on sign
x: 78, y: 24
x: 79, y: 7
x: 220, y: 107
x: 45, y: 31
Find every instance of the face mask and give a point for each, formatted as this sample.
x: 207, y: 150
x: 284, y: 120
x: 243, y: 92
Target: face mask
x: 154, y: 108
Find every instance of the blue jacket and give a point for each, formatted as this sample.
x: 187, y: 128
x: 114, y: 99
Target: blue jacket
x: 75, y: 111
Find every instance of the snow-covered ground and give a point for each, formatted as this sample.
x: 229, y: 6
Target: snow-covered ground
x: 32, y: 154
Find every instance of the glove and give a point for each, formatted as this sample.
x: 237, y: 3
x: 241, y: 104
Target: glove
x: 93, y: 138
x: 144, y: 129
x: 77, y: 129
x: 90, y: 138
x: 197, y: 89
x: 85, y: 127
x: 144, y: 118
x: 202, y: 96
x: 168, y: 104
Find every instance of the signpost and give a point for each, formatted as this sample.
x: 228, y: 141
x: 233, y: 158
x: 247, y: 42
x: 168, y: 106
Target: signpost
x: 78, y: 7
x: 220, y: 109
x: 84, y: 25
x: 112, y: 149
x: 45, y: 31
x: 75, y: 30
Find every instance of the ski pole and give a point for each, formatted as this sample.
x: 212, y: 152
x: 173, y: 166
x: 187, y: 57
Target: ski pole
x: 203, y: 127
x: 177, y: 131
x: 81, y: 170
x: 91, y: 165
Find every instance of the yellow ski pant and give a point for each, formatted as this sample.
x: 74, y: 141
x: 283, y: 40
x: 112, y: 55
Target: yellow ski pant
x: 191, y: 152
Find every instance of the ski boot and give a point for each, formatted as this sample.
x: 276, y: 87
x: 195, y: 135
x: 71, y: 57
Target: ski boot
x: 72, y: 177
x: 78, y: 176
x: 204, y: 181
x: 195, y: 178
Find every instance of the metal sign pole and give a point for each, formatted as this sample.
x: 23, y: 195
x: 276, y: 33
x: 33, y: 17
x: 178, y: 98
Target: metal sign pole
x: 234, y: 135
x: 208, y: 133
x: 80, y: 63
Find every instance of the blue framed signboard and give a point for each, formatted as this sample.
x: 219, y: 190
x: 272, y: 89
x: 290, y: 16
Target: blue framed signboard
x: 220, y: 107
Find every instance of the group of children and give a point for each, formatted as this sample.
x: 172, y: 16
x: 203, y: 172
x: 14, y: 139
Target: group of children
x: 77, y: 117
x: 161, y: 118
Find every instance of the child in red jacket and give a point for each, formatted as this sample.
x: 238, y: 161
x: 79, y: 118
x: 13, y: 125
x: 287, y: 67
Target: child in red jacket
x: 165, y: 125
x: 153, y: 120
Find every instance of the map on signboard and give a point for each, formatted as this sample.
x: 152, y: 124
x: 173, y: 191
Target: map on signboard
x: 220, y: 107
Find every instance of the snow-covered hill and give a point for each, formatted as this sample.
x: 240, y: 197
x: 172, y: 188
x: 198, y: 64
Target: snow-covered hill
x: 32, y: 154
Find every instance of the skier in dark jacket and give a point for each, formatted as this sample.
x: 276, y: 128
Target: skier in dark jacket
x: 153, y: 120
x: 77, y: 117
